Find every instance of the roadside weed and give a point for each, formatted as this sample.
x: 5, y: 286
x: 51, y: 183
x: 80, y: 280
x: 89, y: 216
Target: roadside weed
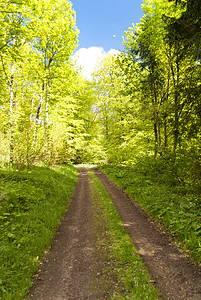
x: 30, y: 210
x: 165, y: 196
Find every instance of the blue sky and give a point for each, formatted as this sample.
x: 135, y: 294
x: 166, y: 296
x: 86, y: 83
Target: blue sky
x: 102, y: 25
x: 98, y: 21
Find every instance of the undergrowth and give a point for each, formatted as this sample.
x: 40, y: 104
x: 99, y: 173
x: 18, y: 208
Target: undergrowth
x: 170, y: 198
x: 31, y: 206
x: 126, y: 262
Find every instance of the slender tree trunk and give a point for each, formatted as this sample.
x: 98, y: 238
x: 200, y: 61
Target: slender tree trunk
x: 106, y: 121
x: 46, y: 122
x: 156, y: 139
x: 166, y: 115
x: 11, y: 112
x: 47, y: 103
x: 176, y: 116
x: 176, y: 125
x: 176, y: 104
x: 38, y: 116
x: 165, y: 134
x: 159, y: 133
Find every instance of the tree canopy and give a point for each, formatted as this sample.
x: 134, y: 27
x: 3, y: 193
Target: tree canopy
x: 145, y: 101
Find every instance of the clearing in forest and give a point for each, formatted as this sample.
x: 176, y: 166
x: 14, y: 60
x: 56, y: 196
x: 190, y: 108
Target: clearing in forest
x: 93, y: 257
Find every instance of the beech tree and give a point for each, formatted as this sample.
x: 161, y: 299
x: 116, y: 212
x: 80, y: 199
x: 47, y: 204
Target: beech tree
x: 55, y: 38
x: 148, y: 96
x: 36, y: 42
x: 167, y: 70
x: 116, y: 108
x: 184, y: 34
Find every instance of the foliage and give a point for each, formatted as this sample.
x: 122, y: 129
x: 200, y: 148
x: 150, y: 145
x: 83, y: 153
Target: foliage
x: 116, y: 109
x: 168, y: 194
x: 143, y: 103
x: 187, y: 28
x: 149, y: 94
x: 126, y: 262
x: 31, y: 208
x: 168, y: 80
x: 46, y: 107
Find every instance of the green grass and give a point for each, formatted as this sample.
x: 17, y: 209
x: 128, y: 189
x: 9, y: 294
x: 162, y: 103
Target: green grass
x: 31, y: 206
x: 170, y: 198
x: 126, y: 262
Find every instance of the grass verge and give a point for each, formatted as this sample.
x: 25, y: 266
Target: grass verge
x: 31, y: 206
x: 133, y: 277
x: 169, y: 198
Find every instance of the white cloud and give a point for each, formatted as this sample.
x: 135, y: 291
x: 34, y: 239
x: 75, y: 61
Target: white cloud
x: 87, y: 58
x: 113, y: 51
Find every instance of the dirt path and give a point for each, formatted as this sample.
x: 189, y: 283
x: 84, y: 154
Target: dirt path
x: 66, y: 268
x: 73, y: 267
x: 175, y: 275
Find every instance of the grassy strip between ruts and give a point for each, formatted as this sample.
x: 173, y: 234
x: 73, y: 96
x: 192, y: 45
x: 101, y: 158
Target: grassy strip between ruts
x: 31, y: 208
x: 170, y: 198
x: 127, y: 264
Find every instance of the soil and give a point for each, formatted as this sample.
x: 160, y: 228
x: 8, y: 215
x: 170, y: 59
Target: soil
x: 75, y: 266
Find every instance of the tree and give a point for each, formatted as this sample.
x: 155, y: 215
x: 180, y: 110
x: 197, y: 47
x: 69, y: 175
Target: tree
x: 184, y: 34
x: 37, y: 40
x: 187, y: 27
x: 146, y: 45
x: 53, y: 24
x: 165, y: 73
x: 116, y: 108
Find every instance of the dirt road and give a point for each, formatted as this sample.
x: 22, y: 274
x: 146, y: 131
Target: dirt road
x: 72, y: 268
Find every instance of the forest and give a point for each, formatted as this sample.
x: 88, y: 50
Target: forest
x: 139, y: 117
x: 143, y: 102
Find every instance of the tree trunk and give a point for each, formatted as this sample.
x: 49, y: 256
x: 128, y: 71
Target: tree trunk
x: 11, y: 112
x: 156, y: 140
x: 176, y: 125
x: 176, y: 114
x: 165, y: 134
x: 46, y: 122
x: 159, y: 133
x: 176, y: 79
x: 166, y: 115
x: 38, y: 116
